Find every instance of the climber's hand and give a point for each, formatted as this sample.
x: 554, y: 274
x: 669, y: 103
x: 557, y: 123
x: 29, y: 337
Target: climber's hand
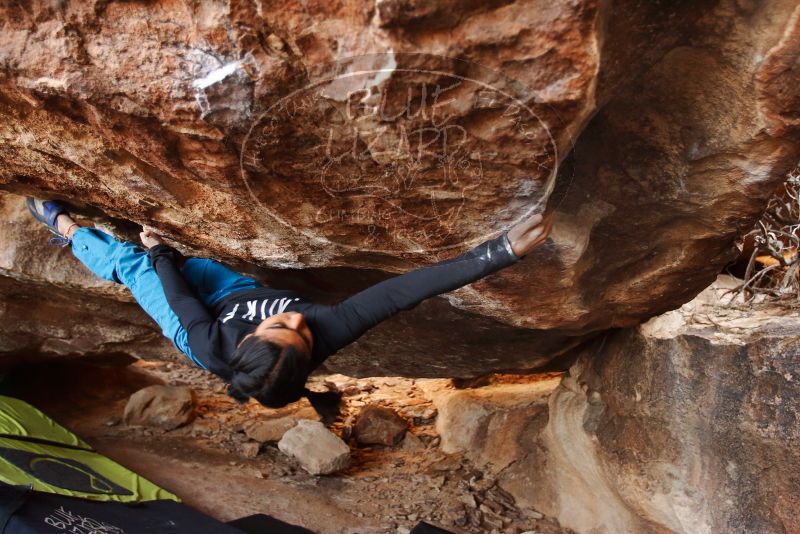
x: 149, y: 237
x: 530, y: 233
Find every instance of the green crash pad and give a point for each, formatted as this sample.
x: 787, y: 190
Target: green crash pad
x: 36, y: 451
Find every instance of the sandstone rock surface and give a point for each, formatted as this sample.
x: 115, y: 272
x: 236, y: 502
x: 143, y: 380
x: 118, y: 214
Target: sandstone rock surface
x: 318, y: 450
x: 496, y: 425
x: 666, y: 124
x: 687, y: 423
x: 166, y: 407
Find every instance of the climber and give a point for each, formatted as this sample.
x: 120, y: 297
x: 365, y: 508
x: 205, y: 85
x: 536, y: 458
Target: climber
x: 264, y: 342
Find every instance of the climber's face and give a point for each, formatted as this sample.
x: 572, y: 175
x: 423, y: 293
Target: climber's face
x: 288, y: 328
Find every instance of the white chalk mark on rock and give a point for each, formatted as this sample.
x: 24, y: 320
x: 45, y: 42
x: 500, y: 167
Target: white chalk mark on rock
x: 52, y: 83
x: 362, y: 76
x: 217, y: 75
x: 213, y: 77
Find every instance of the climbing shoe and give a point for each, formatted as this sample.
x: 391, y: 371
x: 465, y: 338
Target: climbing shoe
x: 46, y: 212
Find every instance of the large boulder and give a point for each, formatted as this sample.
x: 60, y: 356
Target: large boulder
x: 685, y: 424
x: 244, y: 130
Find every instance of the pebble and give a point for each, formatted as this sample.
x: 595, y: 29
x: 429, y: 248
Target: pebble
x: 533, y: 514
x: 205, y: 426
x: 468, y: 500
x: 351, y: 391
x: 250, y: 449
x: 411, y: 443
x: 474, y: 517
x: 482, y: 484
x: 492, y: 507
x: 275, y: 42
x: 492, y: 520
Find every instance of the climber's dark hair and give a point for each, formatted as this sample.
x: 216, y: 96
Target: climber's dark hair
x: 276, y: 376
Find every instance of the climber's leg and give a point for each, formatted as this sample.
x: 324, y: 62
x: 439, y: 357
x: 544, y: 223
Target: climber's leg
x: 129, y: 264
x: 212, y: 281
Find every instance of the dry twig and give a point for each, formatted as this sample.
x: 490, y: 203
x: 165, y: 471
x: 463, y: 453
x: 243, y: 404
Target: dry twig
x: 774, y: 266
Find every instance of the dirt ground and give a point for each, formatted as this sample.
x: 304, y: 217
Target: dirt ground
x: 385, y: 490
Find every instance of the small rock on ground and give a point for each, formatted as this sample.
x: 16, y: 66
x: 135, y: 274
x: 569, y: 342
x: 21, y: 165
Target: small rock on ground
x: 166, y: 407
x: 250, y: 449
x: 378, y: 425
x: 270, y: 430
x: 318, y: 450
x: 411, y: 443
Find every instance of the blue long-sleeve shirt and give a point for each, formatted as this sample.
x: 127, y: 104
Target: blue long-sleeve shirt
x: 215, y: 333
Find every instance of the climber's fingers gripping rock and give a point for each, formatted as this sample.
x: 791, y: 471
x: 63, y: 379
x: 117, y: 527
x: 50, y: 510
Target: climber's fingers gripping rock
x: 526, y: 235
x: 150, y: 237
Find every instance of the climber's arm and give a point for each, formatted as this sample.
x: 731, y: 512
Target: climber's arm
x: 192, y: 314
x: 349, y: 319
